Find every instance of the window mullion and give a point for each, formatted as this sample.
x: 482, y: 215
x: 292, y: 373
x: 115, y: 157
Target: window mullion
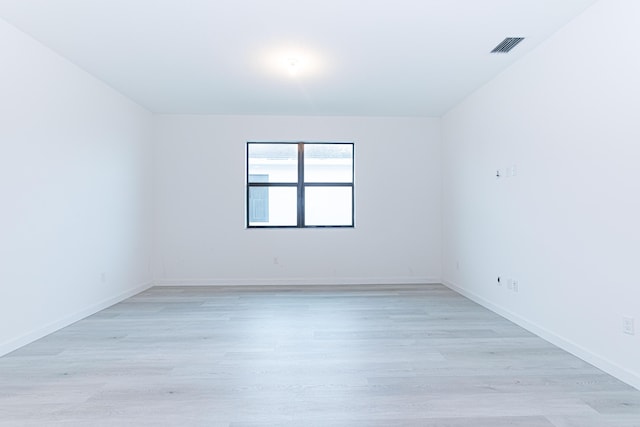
x: 300, y: 184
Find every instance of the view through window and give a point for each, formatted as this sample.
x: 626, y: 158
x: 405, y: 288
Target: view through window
x: 300, y: 184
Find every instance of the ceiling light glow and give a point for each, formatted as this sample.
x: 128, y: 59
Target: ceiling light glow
x: 292, y: 63
x: 293, y: 66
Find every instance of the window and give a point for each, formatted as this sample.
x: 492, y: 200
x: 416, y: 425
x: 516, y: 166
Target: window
x: 299, y: 184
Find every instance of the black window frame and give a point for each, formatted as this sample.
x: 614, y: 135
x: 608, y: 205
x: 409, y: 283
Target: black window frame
x: 300, y: 185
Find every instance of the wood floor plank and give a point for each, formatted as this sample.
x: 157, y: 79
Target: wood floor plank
x: 412, y: 355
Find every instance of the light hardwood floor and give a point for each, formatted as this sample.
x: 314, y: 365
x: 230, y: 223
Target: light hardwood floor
x: 305, y: 356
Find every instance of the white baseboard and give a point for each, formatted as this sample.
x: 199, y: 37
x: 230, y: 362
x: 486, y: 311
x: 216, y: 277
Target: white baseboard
x: 14, y: 344
x: 301, y: 281
x: 599, y: 362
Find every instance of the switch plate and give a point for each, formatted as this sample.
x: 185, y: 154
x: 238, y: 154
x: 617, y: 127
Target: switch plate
x: 628, y: 325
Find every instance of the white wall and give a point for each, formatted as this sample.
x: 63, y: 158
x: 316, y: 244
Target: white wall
x: 200, y: 204
x: 74, y: 192
x: 567, y: 225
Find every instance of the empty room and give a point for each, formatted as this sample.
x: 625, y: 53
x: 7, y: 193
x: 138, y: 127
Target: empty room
x: 320, y: 213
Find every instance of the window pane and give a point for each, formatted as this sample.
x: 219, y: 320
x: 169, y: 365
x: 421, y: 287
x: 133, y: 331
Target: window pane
x: 278, y: 162
x: 328, y: 206
x: 273, y: 206
x: 328, y: 162
x: 258, y: 204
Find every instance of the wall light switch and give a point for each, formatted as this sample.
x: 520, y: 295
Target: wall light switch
x: 628, y: 325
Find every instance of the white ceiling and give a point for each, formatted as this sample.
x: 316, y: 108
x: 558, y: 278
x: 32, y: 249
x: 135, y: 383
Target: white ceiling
x: 355, y: 57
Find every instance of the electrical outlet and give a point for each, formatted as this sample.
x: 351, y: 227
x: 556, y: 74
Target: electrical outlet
x: 515, y: 285
x: 628, y: 325
x: 510, y: 284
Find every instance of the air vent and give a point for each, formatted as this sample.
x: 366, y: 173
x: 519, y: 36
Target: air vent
x: 507, y: 44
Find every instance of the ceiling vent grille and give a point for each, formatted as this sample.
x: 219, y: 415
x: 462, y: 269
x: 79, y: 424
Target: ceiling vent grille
x: 507, y: 44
